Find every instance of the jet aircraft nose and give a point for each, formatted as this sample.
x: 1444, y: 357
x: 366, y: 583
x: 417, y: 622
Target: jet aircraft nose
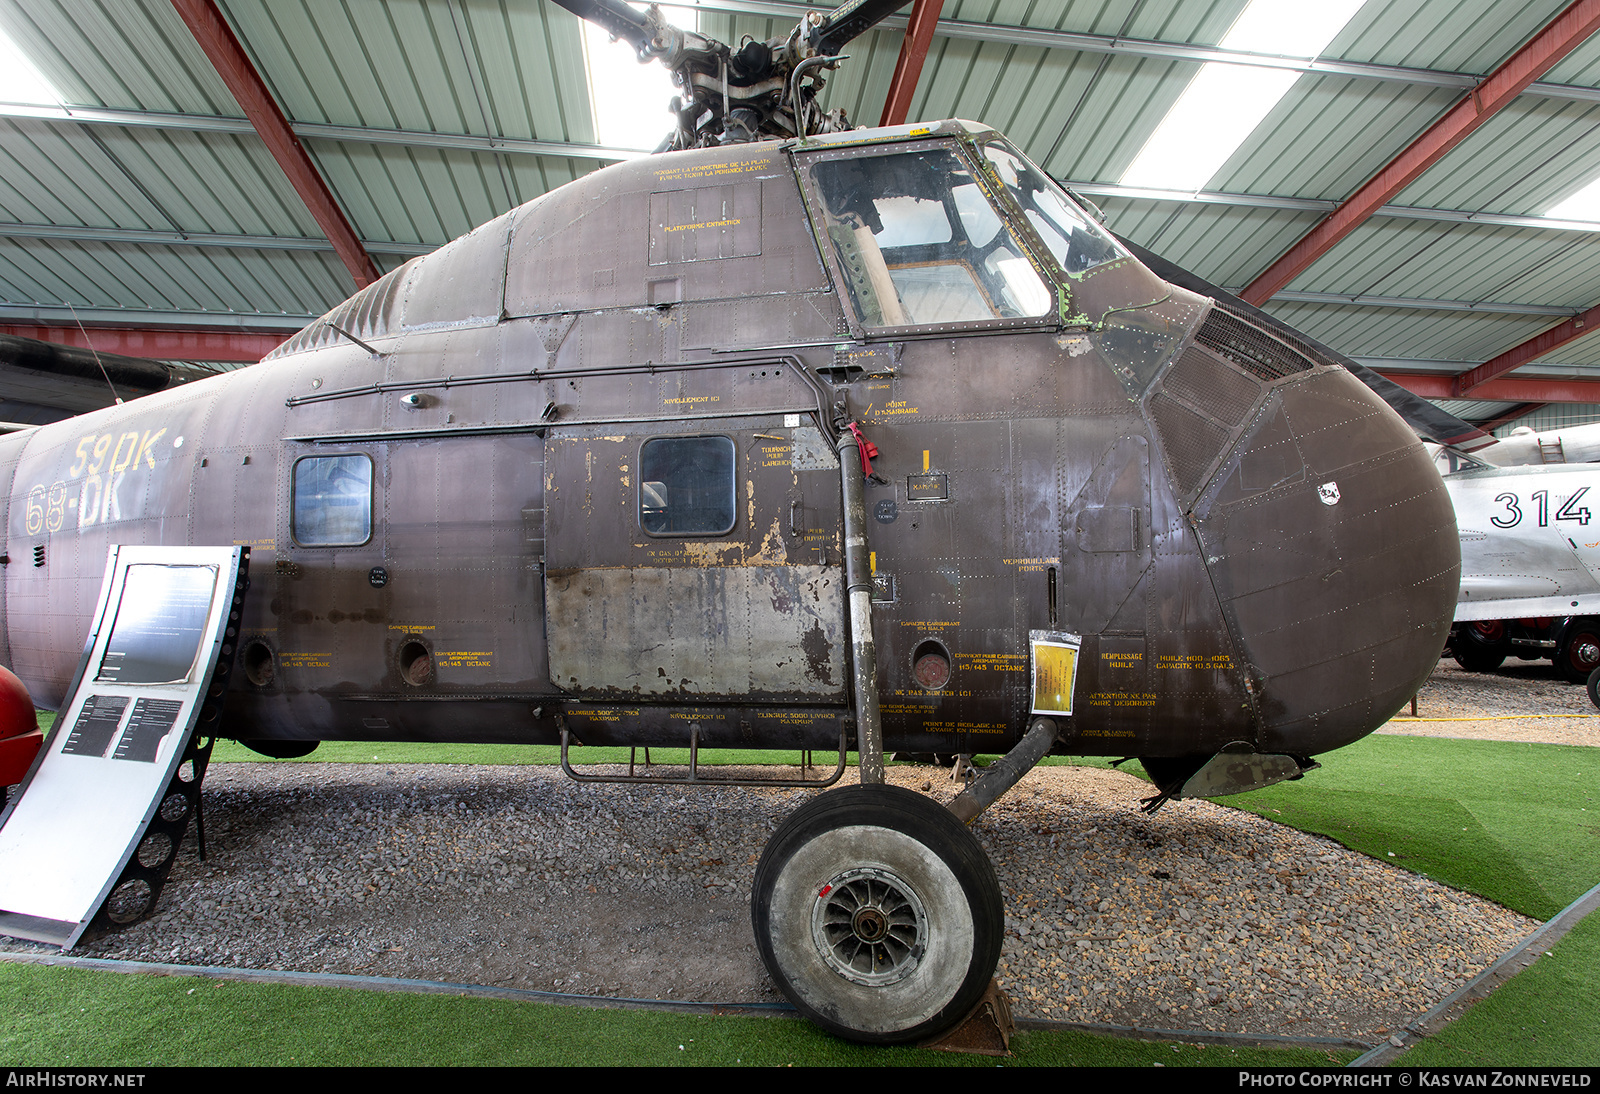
x: 1331, y: 544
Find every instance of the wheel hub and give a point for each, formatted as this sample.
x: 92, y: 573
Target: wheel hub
x: 869, y: 926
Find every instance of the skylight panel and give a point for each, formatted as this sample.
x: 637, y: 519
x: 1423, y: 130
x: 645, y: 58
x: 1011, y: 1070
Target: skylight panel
x: 1289, y: 28
x: 1584, y: 205
x: 1220, y: 108
x: 630, y: 99
x: 1225, y: 102
x: 20, y: 82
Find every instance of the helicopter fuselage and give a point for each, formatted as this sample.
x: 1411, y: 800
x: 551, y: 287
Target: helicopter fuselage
x: 579, y: 469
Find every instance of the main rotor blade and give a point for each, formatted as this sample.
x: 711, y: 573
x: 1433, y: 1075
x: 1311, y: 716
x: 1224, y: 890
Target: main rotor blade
x: 618, y: 18
x: 851, y: 20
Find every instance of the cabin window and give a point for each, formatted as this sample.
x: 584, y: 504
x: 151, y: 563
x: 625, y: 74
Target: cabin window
x: 332, y: 501
x: 686, y: 486
x: 920, y: 244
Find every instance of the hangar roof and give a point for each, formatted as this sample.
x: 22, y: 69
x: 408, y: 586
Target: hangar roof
x: 149, y: 204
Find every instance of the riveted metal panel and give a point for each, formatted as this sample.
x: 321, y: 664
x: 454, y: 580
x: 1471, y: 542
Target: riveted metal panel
x: 1318, y: 575
x: 705, y: 222
x: 755, y: 612
x: 698, y: 631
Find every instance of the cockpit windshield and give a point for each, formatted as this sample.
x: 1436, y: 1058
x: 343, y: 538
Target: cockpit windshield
x: 919, y: 243
x: 1450, y: 460
x: 1075, y: 241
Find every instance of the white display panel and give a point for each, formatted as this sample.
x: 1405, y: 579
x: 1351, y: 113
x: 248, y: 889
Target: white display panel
x: 159, y: 625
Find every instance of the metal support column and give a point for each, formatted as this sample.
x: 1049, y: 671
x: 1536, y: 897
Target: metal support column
x: 858, y: 586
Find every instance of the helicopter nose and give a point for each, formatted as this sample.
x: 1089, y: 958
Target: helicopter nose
x: 1332, y: 545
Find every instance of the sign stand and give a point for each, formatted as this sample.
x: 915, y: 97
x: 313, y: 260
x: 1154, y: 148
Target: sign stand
x: 96, y: 825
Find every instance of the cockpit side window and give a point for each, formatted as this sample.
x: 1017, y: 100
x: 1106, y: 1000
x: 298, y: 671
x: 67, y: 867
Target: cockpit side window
x: 1074, y: 240
x: 919, y: 243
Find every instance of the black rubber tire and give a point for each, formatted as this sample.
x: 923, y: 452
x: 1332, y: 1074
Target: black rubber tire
x: 1476, y: 651
x: 282, y: 750
x: 1579, y: 652
x: 1594, y: 687
x: 929, y: 877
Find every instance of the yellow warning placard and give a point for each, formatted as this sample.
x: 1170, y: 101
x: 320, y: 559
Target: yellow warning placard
x: 1055, y: 671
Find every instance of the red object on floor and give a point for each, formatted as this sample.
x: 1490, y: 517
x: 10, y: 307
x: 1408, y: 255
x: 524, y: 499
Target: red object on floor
x: 19, y: 729
x: 17, y: 715
x: 16, y: 756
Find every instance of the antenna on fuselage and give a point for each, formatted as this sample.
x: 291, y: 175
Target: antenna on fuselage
x: 114, y: 396
x: 377, y: 354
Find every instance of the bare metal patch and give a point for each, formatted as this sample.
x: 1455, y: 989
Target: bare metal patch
x: 698, y: 630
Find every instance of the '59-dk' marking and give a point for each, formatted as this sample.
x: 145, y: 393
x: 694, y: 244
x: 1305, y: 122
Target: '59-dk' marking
x: 103, y: 462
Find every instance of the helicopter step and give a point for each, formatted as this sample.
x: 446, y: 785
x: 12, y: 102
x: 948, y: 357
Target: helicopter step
x: 93, y: 832
x: 693, y: 777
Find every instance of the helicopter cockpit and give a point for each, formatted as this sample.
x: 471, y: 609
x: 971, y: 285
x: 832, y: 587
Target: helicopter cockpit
x: 920, y: 237
x: 1075, y: 241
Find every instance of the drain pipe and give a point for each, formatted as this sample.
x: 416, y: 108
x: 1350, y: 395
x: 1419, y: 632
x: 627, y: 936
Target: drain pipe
x: 1005, y: 772
x: 858, y: 587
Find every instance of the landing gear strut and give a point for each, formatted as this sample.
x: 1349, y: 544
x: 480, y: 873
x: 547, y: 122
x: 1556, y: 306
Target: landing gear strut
x: 876, y: 912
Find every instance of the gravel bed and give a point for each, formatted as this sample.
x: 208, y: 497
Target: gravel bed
x: 1496, y: 706
x: 1206, y: 917
x: 1199, y: 917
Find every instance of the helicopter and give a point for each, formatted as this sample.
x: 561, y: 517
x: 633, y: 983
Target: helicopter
x: 793, y: 436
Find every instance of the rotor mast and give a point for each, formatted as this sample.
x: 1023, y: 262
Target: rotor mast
x: 760, y: 91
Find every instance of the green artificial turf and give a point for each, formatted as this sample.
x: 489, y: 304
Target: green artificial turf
x: 1516, y: 823
x: 86, y: 1018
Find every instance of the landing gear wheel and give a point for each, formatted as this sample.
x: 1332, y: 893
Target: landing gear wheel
x: 1481, y: 646
x: 1579, y: 654
x: 877, y: 914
